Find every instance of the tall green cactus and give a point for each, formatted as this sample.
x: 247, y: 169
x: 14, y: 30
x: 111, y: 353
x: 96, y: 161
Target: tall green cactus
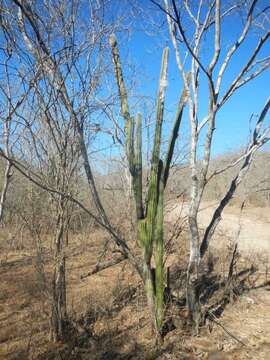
x: 150, y: 219
x: 159, y: 261
x: 137, y: 169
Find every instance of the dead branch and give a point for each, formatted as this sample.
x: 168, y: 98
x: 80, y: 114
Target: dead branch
x: 105, y: 265
x: 213, y: 318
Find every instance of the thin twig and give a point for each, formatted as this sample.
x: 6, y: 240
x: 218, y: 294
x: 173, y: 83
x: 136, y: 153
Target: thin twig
x: 215, y: 320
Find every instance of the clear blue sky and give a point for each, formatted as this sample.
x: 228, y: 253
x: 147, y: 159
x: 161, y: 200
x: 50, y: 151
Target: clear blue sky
x: 141, y: 51
x: 232, y: 128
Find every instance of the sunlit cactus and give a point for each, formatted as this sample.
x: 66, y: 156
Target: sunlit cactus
x: 150, y: 216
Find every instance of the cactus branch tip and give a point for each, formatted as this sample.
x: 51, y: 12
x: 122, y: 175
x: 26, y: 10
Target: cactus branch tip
x: 112, y: 40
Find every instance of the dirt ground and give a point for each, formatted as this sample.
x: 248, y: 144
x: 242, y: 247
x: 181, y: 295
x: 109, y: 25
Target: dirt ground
x: 249, y: 227
x: 110, y: 311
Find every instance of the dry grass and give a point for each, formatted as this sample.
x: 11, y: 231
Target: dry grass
x: 110, y: 312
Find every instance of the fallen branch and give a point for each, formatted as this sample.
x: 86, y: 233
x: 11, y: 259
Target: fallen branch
x: 231, y: 269
x: 105, y: 265
x: 213, y: 318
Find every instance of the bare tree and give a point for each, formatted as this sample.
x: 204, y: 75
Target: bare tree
x: 50, y: 148
x: 67, y: 56
x: 68, y: 76
x: 59, y: 168
x: 10, y: 104
x: 205, y: 20
x: 66, y: 90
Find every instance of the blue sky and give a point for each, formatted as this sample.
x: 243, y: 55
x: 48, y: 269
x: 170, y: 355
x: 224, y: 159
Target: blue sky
x: 232, y: 128
x: 141, y: 50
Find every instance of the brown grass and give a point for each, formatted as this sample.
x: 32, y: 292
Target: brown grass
x: 110, y: 313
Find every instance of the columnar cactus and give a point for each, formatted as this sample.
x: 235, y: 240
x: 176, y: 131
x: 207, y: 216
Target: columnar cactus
x: 150, y: 217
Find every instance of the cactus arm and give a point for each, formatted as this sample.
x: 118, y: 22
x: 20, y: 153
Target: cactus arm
x: 160, y: 110
x: 147, y: 225
x: 129, y: 121
x: 159, y: 255
x: 137, y: 179
x: 152, y: 199
x: 174, y: 134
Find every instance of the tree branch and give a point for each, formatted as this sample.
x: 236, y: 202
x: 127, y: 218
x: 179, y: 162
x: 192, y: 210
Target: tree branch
x: 256, y: 142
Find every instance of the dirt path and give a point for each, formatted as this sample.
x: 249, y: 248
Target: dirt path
x: 250, y: 228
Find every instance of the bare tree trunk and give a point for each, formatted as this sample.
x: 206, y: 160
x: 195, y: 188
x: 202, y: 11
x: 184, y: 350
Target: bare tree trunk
x: 4, y: 191
x: 159, y: 260
x: 193, y: 301
x: 59, y: 309
x: 7, y: 175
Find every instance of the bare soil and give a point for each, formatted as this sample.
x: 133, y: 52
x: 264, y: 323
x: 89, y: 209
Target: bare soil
x: 109, y: 308
x: 249, y: 227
